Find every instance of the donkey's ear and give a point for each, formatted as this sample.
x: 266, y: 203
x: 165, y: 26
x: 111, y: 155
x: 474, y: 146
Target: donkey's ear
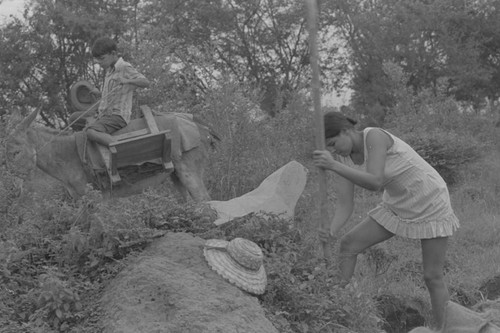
x: 25, y: 124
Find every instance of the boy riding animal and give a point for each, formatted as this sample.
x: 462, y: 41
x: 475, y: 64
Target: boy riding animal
x: 28, y: 147
x: 61, y: 156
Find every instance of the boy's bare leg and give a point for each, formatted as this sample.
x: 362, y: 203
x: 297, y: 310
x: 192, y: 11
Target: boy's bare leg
x: 100, y: 137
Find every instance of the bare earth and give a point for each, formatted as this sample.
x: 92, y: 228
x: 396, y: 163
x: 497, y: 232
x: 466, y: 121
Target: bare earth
x: 171, y: 288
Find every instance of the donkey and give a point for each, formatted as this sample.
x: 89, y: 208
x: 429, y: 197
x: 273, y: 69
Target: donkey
x: 29, y: 147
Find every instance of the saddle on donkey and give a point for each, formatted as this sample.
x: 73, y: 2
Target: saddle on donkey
x: 143, y: 148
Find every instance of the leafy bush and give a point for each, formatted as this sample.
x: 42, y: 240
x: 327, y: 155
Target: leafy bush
x: 56, y: 301
x: 62, y: 249
x: 56, y: 255
x: 252, y: 147
x: 444, y: 132
x: 447, y: 152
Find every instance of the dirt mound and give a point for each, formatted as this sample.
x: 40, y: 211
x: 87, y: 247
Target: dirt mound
x: 170, y: 288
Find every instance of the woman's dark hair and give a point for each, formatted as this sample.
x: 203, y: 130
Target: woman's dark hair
x: 335, y: 122
x: 102, y: 46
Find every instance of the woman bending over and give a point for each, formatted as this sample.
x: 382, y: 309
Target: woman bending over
x: 415, y: 201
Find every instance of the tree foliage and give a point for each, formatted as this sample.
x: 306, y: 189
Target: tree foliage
x: 261, y: 42
x: 184, y: 47
x: 42, y: 55
x: 431, y: 40
x: 188, y: 47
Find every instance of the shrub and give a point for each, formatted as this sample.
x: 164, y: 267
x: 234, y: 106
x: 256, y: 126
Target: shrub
x: 252, y: 147
x: 447, y: 152
x: 59, y: 252
x: 56, y: 302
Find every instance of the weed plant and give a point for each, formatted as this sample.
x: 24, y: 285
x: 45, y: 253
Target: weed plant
x: 56, y: 256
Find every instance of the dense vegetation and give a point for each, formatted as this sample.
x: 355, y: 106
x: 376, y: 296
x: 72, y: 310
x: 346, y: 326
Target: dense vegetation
x: 57, y: 256
x: 187, y: 48
x: 225, y: 62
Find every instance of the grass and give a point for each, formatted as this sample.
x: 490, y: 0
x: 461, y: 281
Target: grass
x: 53, y: 247
x: 391, y: 269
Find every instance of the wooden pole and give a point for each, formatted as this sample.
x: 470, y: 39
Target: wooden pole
x: 319, y: 128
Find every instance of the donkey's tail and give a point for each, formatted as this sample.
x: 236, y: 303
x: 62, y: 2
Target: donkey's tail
x: 209, y: 128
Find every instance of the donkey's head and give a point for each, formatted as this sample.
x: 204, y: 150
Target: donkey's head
x: 19, y: 150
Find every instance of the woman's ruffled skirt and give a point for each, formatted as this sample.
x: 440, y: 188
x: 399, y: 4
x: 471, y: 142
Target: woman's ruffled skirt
x: 443, y: 225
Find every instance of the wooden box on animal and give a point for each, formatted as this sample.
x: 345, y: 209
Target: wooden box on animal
x: 139, y: 150
x: 138, y: 147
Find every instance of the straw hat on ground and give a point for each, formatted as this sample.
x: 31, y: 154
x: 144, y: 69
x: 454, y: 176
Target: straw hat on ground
x: 80, y: 95
x: 239, y: 261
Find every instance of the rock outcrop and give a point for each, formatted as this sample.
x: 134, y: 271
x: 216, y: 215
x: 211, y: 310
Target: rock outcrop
x: 170, y: 288
x: 459, y: 319
x: 277, y: 194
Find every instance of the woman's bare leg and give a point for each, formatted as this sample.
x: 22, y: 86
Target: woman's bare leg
x: 361, y: 237
x: 433, y: 257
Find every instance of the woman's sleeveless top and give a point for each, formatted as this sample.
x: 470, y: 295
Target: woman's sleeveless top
x: 415, y: 202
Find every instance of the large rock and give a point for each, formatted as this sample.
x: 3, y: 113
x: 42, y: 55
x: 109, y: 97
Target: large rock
x: 277, y: 194
x: 459, y: 319
x: 170, y: 288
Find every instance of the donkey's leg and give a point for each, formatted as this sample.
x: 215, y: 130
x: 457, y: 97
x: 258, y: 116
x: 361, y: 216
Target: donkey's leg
x: 179, y: 186
x: 189, y: 183
x: 189, y: 171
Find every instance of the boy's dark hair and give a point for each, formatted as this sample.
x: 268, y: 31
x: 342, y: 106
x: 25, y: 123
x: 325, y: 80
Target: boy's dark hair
x: 102, y: 46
